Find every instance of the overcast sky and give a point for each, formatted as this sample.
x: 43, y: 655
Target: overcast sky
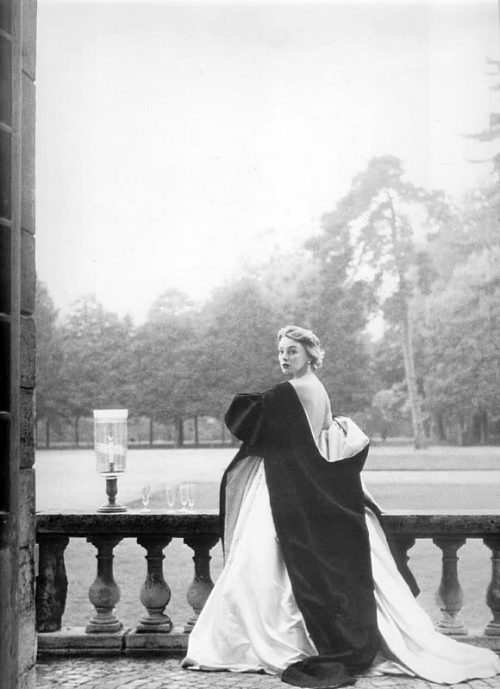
x: 177, y: 140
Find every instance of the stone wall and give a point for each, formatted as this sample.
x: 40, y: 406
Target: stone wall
x: 17, y: 343
x: 26, y: 581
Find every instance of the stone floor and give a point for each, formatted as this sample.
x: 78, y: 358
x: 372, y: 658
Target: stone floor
x: 155, y: 673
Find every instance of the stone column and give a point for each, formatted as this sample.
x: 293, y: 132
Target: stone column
x: 399, y: 545
x: 202, y: 584
x: 493, y: 591
x: 51, y: 582
x: 450, y: 594
x: 155, y: 593
x: 104, y: 593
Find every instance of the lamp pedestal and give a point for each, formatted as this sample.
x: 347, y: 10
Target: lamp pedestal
x: 111, y: 492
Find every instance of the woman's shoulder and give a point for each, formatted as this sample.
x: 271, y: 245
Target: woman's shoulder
x: 244, y: 415
x: 244, y: 402
x: 310, y: 383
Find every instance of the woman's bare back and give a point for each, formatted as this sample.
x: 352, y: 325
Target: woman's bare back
x: 314, y: 398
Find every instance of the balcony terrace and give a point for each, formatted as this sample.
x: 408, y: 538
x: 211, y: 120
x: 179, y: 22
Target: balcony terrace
x: 147, y: 654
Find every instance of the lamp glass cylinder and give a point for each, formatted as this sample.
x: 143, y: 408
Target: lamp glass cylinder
x: 110, y: 440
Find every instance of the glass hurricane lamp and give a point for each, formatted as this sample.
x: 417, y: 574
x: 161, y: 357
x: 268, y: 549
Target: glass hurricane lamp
x: 110, y: 443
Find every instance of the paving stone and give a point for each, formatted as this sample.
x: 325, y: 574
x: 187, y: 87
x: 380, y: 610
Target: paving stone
x: 156, y: 673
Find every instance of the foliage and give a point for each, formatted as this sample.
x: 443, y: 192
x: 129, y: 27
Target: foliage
x: 388, y: 359
x: 167, y: 355
x: 51, y: 397
x: 375, y: 239
x: 312, y: 288
x: 239, y: 340
x: 388, y: 414
x: 287, y: 281
x: 96, y: 365
x: 463, y: 354
x: 470, y: 227
x: 387, y: 245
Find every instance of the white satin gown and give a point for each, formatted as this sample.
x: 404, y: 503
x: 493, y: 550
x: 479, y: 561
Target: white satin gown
x: 251, y: 621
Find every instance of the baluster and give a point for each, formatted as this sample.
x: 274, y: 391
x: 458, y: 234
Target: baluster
x: 155, y: 593
x: 104, y: 593
x: 51, y: 582
x: 493, y: 591
x: 450, y: 593
x: 202, y: 584
x: 399, y: 545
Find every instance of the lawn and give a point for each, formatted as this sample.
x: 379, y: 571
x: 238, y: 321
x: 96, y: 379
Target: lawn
x: 398, y: 477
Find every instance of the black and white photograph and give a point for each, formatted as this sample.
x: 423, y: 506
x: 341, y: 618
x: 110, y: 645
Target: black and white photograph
x: 249, y: 344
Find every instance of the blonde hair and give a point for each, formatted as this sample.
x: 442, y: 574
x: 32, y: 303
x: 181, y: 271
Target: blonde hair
x: 307, y: 339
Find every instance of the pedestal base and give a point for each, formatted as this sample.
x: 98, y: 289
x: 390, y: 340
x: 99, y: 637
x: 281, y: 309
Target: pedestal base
x: 160, y: 624
x: 111, y: 492
x: 75, y: 641
x: 451, y: 630
x: 103, y: 627
x: 174, y: 643
x: 492, y: 629
x: 112, y: 508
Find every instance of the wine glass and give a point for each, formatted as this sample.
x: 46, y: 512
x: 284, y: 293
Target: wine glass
x: 183, y: 493
x: 146, y: 494
x: 191, y: 493
x: 170, y: 495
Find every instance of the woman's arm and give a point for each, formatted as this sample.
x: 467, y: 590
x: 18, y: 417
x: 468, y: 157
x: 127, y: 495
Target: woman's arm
x: 244, y: 418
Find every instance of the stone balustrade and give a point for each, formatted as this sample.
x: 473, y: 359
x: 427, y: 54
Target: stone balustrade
x: 153, y: 532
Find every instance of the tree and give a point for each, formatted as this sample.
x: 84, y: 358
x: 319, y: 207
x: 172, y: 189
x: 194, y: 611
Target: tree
x: 489, y: 196
x: 385, y: 220
x: 388, y: 359
x: 471, y: 226
x: 288, y: 280
x: 388, y: 404
x: 337, y: 304
x: 239, y: 328
x: 492, y: 132
x: 463, y: 354
x: 97, y: 359
x: 169, y: 361
x: 311, y: 288
x: 50, y: 392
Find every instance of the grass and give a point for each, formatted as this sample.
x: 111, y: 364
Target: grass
x: 456, y: 478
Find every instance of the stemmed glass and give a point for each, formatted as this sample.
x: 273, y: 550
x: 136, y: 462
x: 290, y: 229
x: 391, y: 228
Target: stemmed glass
x: 191, y: 492
x: 183, y: 494
x: 146, y: 494
x: 170, y: 495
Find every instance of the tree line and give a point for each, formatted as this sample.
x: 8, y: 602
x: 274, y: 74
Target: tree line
x: 428, y: 269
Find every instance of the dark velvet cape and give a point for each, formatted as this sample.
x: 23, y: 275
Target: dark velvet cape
x: 318, y: 513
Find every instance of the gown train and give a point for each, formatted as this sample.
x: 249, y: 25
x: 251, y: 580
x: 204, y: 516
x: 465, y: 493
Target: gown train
x: 251, y: 621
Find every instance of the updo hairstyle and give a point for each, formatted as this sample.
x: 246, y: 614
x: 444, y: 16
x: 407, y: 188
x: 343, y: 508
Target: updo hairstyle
x: 307, y: 339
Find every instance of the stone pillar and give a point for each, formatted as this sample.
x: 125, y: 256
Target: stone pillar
x: 51, y: 582
x: 399, y: 545
x: 202, y: 584
x: 493, y: 591
x: 17, y: 343
x: 155, y: 593
x: 104, y: 593
x: 450, y: 593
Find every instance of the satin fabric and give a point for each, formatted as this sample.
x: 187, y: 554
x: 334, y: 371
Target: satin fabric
x: 410, y: 642
x: 251, y: 621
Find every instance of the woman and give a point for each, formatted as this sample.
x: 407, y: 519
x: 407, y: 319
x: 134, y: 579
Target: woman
x: 309, y: 588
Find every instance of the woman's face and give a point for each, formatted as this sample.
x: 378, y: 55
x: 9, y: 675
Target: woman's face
x: 293, y: 357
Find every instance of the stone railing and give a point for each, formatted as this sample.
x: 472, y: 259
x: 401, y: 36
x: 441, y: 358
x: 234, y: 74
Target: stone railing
x: 153, y: 531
